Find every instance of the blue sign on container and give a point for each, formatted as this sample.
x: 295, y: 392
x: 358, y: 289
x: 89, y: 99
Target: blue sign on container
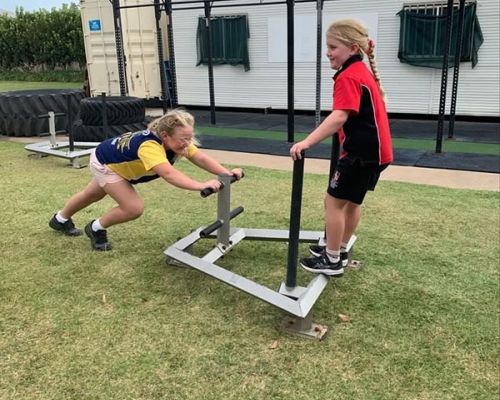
x: 95, y: 24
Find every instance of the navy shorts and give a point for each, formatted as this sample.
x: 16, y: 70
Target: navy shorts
x: 351, y: 180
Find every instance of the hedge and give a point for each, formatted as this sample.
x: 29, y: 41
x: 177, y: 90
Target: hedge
x: 42, y: 39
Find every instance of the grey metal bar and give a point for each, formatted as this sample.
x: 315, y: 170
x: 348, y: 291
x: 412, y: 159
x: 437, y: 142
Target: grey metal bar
x: 218, y: 251
x: 217, y: 224
x: 281, y: 235
x: 223, y: 205
x: 299, y: 308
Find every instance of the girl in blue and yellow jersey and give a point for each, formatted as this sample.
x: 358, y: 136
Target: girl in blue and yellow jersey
x: 121, y: 162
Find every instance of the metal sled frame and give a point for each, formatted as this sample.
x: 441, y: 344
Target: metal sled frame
x: 297, y: 301
x: 61, y: 149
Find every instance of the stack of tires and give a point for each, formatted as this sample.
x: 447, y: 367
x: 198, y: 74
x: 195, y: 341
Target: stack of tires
x: 123, y: 114
x: 20, y: 110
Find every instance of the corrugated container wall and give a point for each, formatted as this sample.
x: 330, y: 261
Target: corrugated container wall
x: 139, y: 46
x: 409, y: 89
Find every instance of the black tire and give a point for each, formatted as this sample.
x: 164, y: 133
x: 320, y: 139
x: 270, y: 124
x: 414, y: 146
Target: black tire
x: 86, y: 133
x: 20, y: 110
x: 120, y: 110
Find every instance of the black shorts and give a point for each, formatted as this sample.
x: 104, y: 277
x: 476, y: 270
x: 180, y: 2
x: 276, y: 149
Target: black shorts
x: 351, y: 180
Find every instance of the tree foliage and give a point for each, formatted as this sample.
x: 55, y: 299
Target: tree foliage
x: 42, y: 39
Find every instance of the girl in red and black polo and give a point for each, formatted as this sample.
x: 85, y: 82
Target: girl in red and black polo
x: 360, y: 117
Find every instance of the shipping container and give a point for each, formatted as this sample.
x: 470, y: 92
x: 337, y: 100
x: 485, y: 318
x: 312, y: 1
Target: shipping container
x: 262, y: 83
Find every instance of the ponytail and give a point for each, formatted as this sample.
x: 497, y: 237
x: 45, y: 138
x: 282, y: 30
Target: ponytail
x: 350, y: 31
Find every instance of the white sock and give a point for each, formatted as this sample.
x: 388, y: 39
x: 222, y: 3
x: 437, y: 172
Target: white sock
x: 333, y: 255
x: 60, y: 218
x: 96, y: 226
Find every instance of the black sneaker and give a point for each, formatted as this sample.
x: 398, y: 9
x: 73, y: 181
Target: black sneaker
x: 99, y: 239
x: 68, y: 227
x: 316, y: 250
x: 322, y: 265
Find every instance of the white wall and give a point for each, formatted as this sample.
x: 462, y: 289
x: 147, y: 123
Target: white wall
x: 409, y: 89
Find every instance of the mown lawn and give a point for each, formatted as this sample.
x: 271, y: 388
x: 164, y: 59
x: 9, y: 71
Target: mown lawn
x: 8, y: 86
x: 78, y: 324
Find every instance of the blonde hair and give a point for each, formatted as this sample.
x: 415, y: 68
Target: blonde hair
x: 171, y: 120
x: 351, y: 31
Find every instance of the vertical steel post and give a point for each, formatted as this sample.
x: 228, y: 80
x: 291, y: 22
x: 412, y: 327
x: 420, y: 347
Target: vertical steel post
x: 334, y: 155
x: 290, y: 68
x: 294, y: 232
x: 69, y: 123
x: 104, y: 115
x: 210, y: 62
x: 52, y: 128
x: 171, y: 53
x: 444, y: 77
x: 161, y: 63
x: 319, y: 41
x: 458, y: 55
x: 119, y: 47
x: 223, y: 209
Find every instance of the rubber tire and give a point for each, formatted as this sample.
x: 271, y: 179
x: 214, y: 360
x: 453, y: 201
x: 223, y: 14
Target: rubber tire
x: 90, y: 133
x: 19, y: 110
x: 120, y: 110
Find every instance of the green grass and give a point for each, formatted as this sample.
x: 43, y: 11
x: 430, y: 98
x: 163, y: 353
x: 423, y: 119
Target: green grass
x: 42, y: 76
x: 424, y: 308
x: 398, y: 143
x: 7, y: 86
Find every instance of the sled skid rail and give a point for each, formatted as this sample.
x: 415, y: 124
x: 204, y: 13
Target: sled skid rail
x: 296, y: 301
x: 299, y: 308
x: 61, y: 149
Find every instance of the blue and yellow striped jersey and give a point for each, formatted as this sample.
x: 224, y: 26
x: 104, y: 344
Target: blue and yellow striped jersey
x: 133, y: 155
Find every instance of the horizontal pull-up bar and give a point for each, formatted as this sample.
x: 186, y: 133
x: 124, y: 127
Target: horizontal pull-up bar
x: 175, y: 4
x: 431, y: 4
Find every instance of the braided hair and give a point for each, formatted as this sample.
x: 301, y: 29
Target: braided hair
x: 349, y: 32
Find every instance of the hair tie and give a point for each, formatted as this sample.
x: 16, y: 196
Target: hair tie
x: 371, y: 44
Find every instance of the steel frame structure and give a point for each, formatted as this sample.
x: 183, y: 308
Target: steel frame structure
x: 61, y: 149
x: 296, y: 301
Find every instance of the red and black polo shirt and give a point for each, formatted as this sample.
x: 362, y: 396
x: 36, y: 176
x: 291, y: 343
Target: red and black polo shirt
x: 365, y: 135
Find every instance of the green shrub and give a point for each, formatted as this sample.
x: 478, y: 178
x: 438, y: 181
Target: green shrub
x: 42, y: 40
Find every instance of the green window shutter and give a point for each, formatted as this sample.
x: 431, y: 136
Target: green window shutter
x: 202, y: 42
x: 422, y: 38
x: 229, y: 41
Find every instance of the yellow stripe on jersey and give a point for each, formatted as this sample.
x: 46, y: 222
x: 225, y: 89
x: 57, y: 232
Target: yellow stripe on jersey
x: 150, y: 155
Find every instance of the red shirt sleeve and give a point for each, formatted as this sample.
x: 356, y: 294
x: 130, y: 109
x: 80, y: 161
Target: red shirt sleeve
x: 346, y: 94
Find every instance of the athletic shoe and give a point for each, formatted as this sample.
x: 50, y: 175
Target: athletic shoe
x: 322, y: 265
x: 68, y: 227
x: 98, y: 239
x: 316, y: 250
